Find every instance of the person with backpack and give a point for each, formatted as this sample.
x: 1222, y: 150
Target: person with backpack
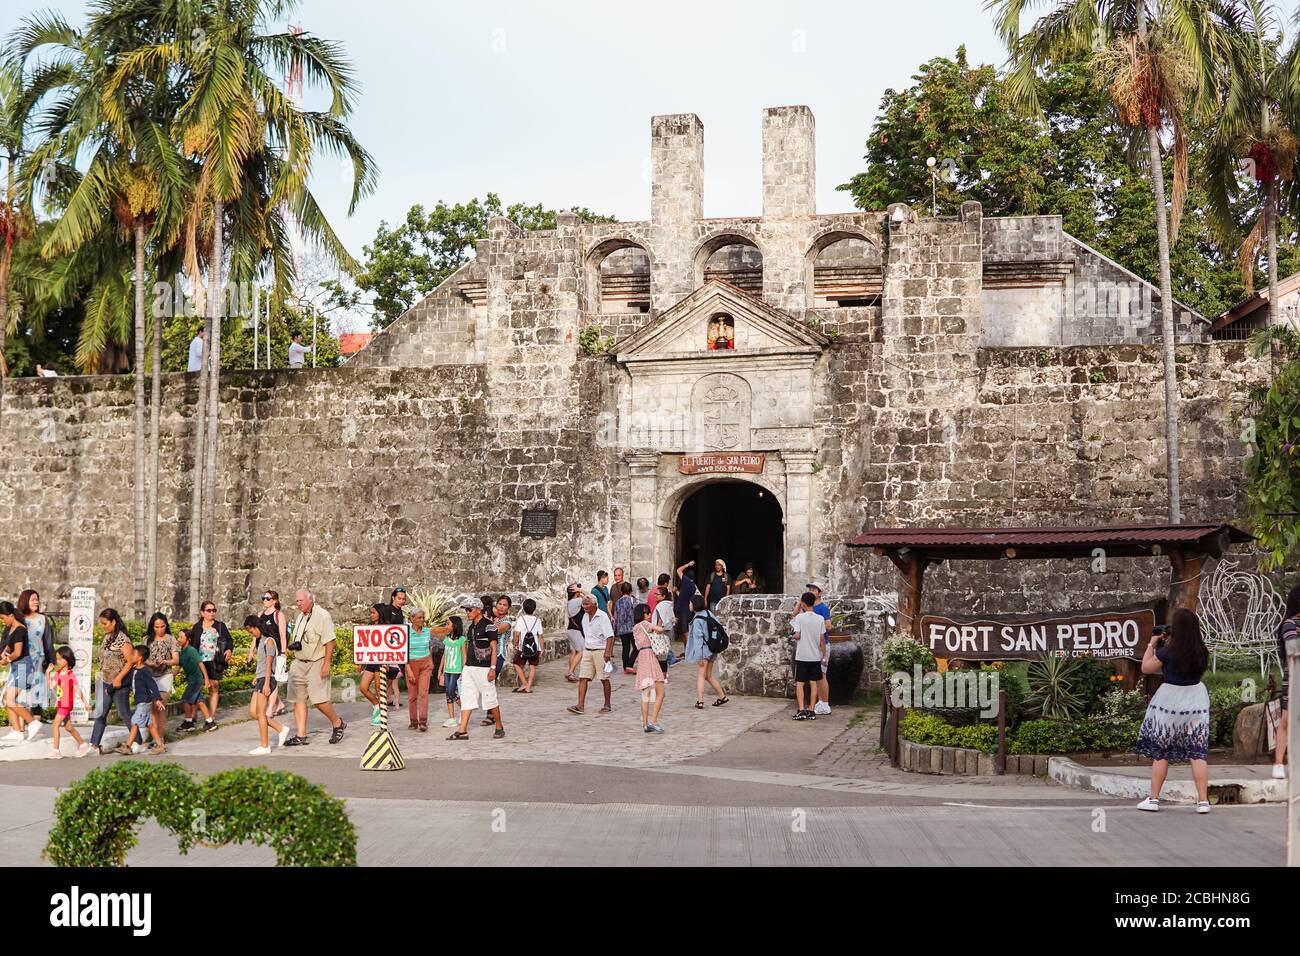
x: 705, y: 639
x: 573, y: 596
x: 1177, y: 723
x: 528, y: 639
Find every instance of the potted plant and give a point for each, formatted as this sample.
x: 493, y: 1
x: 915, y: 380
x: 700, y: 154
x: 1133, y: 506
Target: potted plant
x: 844, y: 668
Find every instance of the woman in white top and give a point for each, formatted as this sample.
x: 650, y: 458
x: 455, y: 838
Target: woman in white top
x: 528, y: 643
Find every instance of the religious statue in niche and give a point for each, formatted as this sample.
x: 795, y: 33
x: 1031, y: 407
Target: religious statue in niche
x: 722, y: 332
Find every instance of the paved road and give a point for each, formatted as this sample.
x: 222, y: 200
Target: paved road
x: 736, y: 784
x: 511, y: 833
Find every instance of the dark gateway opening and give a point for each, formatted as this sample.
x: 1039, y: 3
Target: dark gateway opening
x: 738, y: 522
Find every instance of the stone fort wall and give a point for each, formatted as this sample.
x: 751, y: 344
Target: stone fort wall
x: 352, y: 480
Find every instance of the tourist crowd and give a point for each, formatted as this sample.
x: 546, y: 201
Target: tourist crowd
x: 138, y: 680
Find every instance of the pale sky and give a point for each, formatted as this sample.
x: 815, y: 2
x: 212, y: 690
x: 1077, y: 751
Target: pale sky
x: 551, y: 101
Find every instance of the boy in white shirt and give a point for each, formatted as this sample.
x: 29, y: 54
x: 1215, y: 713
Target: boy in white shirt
x: 807, y: 629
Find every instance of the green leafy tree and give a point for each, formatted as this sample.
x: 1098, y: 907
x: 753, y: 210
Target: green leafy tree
x: 1273, y: 470
x: 1160, y: 58
x: 406, y: 262
x: 1075, y: 164
x: 1254, y: 127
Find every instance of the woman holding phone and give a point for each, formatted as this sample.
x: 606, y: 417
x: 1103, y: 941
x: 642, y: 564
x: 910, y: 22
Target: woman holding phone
x: 1177, y: 724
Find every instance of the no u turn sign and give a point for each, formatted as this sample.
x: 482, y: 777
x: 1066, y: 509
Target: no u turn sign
x: 379, y: 643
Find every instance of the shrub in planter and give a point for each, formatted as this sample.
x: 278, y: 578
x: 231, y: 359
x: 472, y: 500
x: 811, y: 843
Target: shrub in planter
x: 1225, y: 705
x: 1091, y: 681
x: 1066, y: 736
x: 933, y: 731
x: 1011, y: 678
x: 1119, y: 706
x: 1052, y: 687
x: 903, y: 653
x: 97, y: 818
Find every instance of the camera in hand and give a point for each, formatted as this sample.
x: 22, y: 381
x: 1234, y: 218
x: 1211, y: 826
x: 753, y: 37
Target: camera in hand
x: 295, y: 645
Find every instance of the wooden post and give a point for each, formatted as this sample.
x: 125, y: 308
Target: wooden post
x: 1000, y: 763
x: 1293, y: 738
x: 1184, y: 580
x: 891, y: 735
x: 911, y: 568
x: 884, y: 714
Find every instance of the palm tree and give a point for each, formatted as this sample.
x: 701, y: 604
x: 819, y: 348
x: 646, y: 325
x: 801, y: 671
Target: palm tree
x: 15, y: 221
x: 256, y: 148
x: 1160, y: 59
x: 134, y: 176
x: 1255, y: 128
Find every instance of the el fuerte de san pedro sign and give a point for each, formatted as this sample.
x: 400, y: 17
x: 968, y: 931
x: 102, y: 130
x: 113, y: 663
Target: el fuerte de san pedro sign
x: 1101, y: 634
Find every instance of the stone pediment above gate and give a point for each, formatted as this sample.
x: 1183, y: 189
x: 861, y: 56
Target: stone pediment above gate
x: 716, y: 321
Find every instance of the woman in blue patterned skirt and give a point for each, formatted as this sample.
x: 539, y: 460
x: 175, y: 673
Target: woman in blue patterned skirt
x: 1177, y: 724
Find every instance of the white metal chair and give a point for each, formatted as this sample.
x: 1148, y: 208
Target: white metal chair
x: 1227, y: 589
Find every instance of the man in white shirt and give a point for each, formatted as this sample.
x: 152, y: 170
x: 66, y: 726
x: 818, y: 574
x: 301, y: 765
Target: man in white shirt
x: 44, y: 372
x: 297, y: 352
x: 807, y: 628
x: 598, y: 648
x: 196, y: 352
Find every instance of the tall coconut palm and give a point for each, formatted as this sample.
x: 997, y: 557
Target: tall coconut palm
x: 134, y: 174
x: 1159, y: 58
x: 13, y: 219
x: 1254, y: 131
x: 256, y: 147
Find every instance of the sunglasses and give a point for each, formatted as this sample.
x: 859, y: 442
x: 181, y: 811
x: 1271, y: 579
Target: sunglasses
x: 209, y: 610
x: 267, y: 597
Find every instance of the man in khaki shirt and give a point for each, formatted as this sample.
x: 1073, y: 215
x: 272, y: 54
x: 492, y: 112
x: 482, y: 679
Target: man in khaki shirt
x: 309, y: 674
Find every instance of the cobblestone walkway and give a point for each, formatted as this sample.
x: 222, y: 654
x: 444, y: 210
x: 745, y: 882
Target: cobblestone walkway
x: 538, y: 727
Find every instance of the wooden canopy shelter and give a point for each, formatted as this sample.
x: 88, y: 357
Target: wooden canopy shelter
x: 912, y: 550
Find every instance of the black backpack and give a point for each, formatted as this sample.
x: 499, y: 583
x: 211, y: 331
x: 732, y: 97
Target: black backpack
x: 715, y: 635
x: 528, y: 648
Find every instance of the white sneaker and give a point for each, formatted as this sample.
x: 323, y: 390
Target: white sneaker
x: 1149, y: 804
x: 259, y: 751
x: 1203, y: 807
x: 822, y: 708
x: 33, y: 729
x: 451, y: 722
x: 135, y: 748
x: 1279, y: 771
x: 83, y: 750
x: 284, y: 734
x: 13, y: 735
x: 54, y: 755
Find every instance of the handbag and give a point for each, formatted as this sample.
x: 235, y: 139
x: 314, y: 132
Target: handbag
x: 659, y: 643
x: 281, y: 673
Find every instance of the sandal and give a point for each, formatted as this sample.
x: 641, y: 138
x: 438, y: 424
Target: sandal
x: 720, y: 701
x: 458, y: 736
x: 519, y: 690
x: 498, y: 734
x: 699, y: 705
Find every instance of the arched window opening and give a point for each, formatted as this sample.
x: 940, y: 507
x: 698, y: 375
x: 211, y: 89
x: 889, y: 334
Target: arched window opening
x: 737, y: 262
x: 846, y: 273
x: 620, y: 277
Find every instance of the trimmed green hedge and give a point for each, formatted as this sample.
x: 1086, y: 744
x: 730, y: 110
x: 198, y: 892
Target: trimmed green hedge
x: 97, y: 818
x: 922, y: 728
x: 1072, y: 736
x: 1031, y: 737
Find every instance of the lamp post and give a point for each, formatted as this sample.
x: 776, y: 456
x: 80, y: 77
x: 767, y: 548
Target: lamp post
x: 1292, y: 664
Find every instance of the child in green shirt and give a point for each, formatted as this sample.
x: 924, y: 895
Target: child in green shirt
x: 453, y: 662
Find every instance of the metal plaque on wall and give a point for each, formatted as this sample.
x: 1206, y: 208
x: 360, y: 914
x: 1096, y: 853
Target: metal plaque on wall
x: 539, y: 522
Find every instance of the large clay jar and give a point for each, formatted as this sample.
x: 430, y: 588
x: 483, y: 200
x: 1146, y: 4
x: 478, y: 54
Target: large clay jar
x: 844, y: 669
